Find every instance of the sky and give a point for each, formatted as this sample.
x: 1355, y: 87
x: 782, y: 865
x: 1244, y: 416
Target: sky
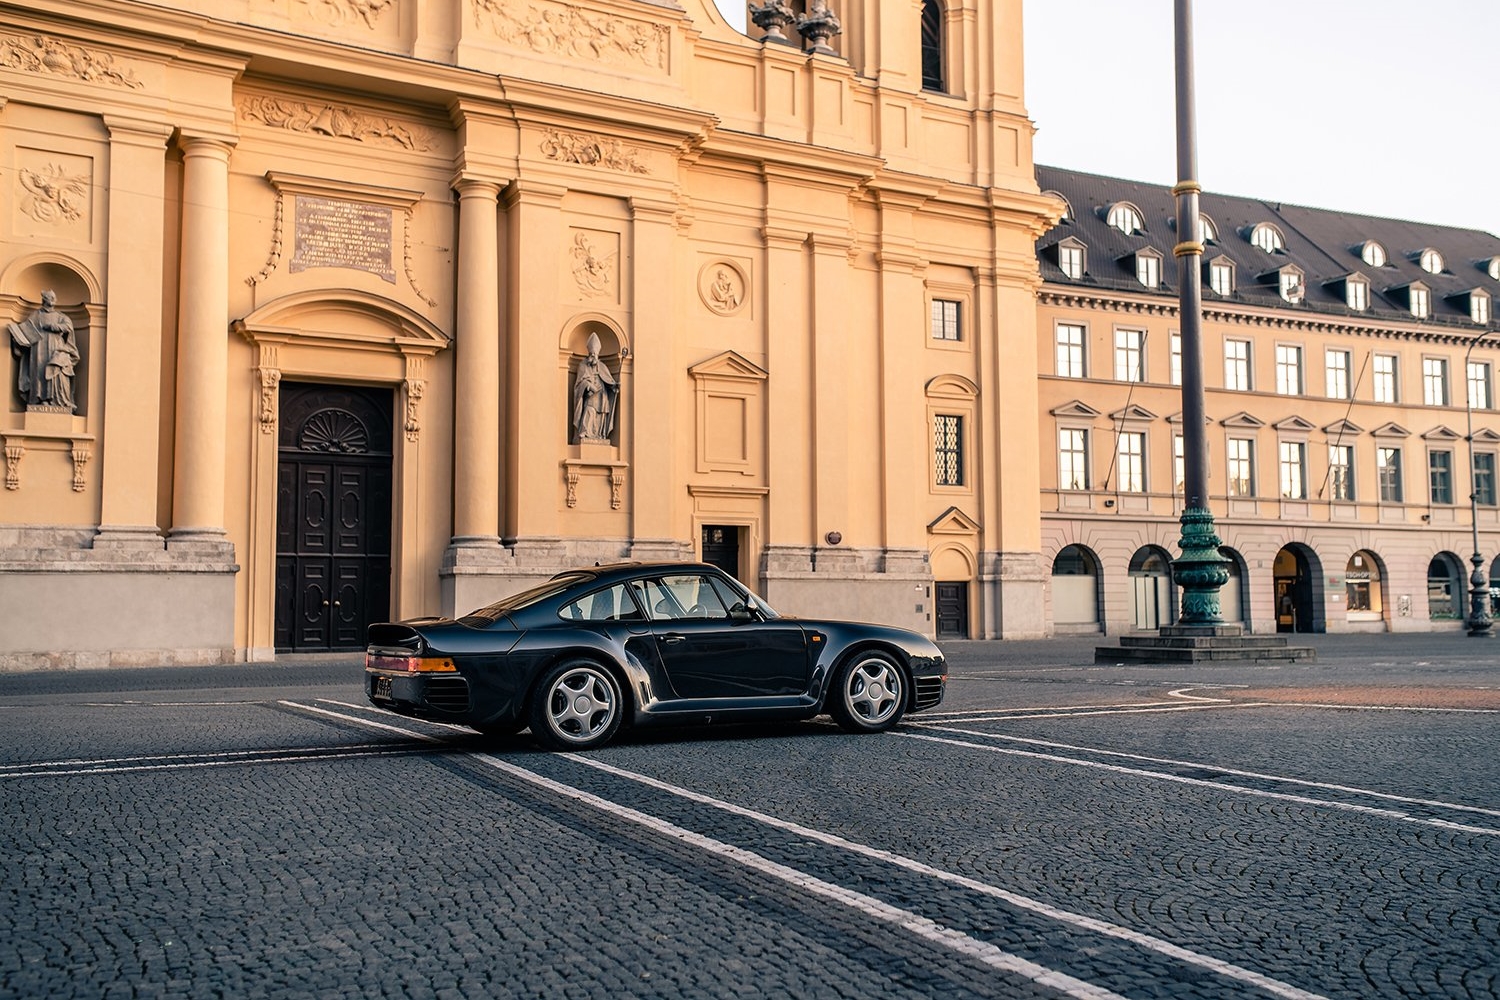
x: 1377, y: 107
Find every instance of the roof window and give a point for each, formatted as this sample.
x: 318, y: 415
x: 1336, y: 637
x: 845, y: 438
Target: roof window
x: 1373, y: 253
x: 1067, y: 215
x: 1267, y: 237
x: 1126, y: 218
x: 1492, y: 267
x: 1430, y: 261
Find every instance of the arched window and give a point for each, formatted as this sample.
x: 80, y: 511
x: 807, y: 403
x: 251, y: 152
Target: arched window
x: 1126, y: 218
x: 1493, y: 268
x: 1210, y: 231
x: 932, y: 46
x: 1267, y: 237
x: 1373, y: 253
x: 1431, y: 261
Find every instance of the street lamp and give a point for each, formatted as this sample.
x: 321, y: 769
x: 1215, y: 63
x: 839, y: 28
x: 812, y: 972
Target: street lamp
x: 1479, y: 590
x: 1199, y: 571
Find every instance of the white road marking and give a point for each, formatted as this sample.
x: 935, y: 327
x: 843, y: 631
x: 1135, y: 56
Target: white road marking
x: 1092, y: 924
x: 1328, y: 786
x: 1200, y: 782
x: 194, y: 765
x: 1165, y: 707
x: 102, y: 761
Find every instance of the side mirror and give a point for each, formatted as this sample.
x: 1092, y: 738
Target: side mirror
x: 738, y: 612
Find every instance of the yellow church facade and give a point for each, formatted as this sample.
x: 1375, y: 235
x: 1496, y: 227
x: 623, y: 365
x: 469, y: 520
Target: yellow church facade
x: 325, y: 312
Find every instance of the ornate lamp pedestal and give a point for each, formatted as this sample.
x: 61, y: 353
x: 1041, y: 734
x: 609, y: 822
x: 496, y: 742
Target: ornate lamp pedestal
x: 1479, y: 598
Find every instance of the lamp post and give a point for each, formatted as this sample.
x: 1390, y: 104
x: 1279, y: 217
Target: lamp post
x: 1479, y: 590
x: 1200, y: 570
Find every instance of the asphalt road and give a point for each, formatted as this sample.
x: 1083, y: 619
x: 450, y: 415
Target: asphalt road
x: 1053, y: 829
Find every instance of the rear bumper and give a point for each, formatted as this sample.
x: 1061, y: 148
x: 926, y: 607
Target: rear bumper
x: 440, y: 696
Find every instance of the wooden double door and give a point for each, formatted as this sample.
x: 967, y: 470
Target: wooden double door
x: 333, y: 515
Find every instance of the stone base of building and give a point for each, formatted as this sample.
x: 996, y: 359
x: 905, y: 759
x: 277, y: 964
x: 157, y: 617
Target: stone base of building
x: 886, y: 586
x: 118, y: 596
x: 477, y: 572
x: 1014, y: 587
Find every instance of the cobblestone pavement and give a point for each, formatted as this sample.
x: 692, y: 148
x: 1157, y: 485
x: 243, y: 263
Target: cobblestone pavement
x: 1055, y: 828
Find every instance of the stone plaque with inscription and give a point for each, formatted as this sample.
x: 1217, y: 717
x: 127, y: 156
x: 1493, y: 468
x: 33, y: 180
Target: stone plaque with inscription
x: 334, y: 233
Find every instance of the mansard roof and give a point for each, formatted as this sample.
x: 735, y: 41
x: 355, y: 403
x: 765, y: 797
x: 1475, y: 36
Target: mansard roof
x: 1324, y: 244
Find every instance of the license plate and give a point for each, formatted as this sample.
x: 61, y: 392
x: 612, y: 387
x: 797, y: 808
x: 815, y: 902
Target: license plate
x: 383, y: 687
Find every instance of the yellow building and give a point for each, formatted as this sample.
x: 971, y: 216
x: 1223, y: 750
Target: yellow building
x: 1344, y: 358
x: 366, y: 309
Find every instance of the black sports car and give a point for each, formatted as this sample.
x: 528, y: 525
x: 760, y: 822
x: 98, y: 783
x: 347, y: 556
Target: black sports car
x: 641, y: 644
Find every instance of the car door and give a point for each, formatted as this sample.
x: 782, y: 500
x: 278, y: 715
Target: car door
x: 709, y: 654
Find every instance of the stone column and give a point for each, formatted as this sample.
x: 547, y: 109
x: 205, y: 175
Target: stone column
x: 476, y: 377
x: 202, y: 345
x: 130, y: 464
x: 655, y: 483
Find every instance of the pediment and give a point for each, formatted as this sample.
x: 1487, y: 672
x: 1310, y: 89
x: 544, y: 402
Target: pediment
x: 952, y: 386
x: 1343, y: 428
x: 347, y: 315
x: 1442, y: 433
x: 1075, y: 408
x: 1133, y: 412
x: 953, y: 522
x: 1486, y: 435
x: 1243, y: 421
x: 1176, y: 418
x: 728, y: 364
x: 1295, y: 424
x: 1392, y: 429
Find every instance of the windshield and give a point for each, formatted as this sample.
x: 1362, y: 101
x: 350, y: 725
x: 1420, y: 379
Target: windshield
x: 515, y: 602
x: 751, y: 601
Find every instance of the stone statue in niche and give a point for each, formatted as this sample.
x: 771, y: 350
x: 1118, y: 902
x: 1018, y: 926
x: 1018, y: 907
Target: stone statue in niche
x: 596, y: 396
x: 47, y: 357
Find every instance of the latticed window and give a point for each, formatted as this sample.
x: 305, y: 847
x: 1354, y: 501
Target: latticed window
x: 1338, y: 374
x: 1385, y: 378
x: 1435, y: 381
x: 1073, y: 458
x: 1241, y: 468
x: 1237, y: 365
x: 948, y: 449
x: 1479, y: 385
x: 1288, y: 369
x: 1341, y: 471
x: 1388, y: 473
x: 1484, y: 478
x: 945, y: 320
x: 1132, y: 462
x: 1440, y: 475
x: 1070, y: 350
x: 1293, y: 470
x: 1129, y: 359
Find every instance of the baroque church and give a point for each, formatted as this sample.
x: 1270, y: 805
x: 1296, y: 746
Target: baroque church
x: 325, y: 312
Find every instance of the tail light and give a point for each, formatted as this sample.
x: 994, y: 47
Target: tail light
x: 410, y: 664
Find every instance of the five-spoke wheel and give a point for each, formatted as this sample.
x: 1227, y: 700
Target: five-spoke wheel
x: 577, y: 706
x: 869, y: 693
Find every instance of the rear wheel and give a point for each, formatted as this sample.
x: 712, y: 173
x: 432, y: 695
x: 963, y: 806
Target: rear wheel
x: 869, y: 693
x: 577, y: 706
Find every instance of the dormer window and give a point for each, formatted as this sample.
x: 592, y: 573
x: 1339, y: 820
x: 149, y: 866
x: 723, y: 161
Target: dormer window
x: 1209, y: 231
x: 1373, y: 253
x: 1071, y: 258
x: 1479, y: 307
x: 1290, y: 283
x: 1267, y: 237
x: 1067, y: 215
x: 1430, y: 261
x: 1126, y: 218
x: 1148, y: 268
x: 1357, y: 294
x: 1492, y: 268
x: 1418, y: 300
x: 1221, y: 276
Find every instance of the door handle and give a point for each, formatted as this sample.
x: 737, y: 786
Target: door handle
x: 673, y: 637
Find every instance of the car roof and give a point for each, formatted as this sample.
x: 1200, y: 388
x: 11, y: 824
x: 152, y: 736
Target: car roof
x: 607, y: 572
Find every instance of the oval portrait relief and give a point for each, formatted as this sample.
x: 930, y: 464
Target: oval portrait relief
x: 723, y: 287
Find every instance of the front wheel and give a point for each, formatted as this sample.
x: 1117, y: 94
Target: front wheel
x: 577, y: 706
x: 869, y: 693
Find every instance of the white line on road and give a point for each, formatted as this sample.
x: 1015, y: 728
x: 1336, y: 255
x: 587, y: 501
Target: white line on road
x: 1327, y: 786
x: 1200, y: 782
x: 1081, y: 921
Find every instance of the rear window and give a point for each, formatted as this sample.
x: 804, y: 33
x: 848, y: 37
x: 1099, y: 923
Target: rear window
x: 516, y: 602
x: 612, y: 604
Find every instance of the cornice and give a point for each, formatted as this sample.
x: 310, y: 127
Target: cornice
x: 1109, y: 300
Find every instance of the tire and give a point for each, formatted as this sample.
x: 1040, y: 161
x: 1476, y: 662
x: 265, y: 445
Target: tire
x: 869, y: 693
x: 576, y: 706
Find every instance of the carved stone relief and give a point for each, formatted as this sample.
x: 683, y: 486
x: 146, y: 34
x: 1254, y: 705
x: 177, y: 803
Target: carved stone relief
x: 593, y: 265
x: 338, y: 13
x: 335, y: 120
x: 54, y: 194
x: 54, y: 57
x: 81, y: 455
x: 572, y: 32
x: 415, y: 389
x: 270, y: 379
x: 722, y: 287
x: 13, y: 452
x: 591, y: 151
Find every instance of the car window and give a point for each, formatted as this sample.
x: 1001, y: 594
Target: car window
x: 687, y: 597
x: 515, y: 602
x: 612, y: 604
x: 733, y: 593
